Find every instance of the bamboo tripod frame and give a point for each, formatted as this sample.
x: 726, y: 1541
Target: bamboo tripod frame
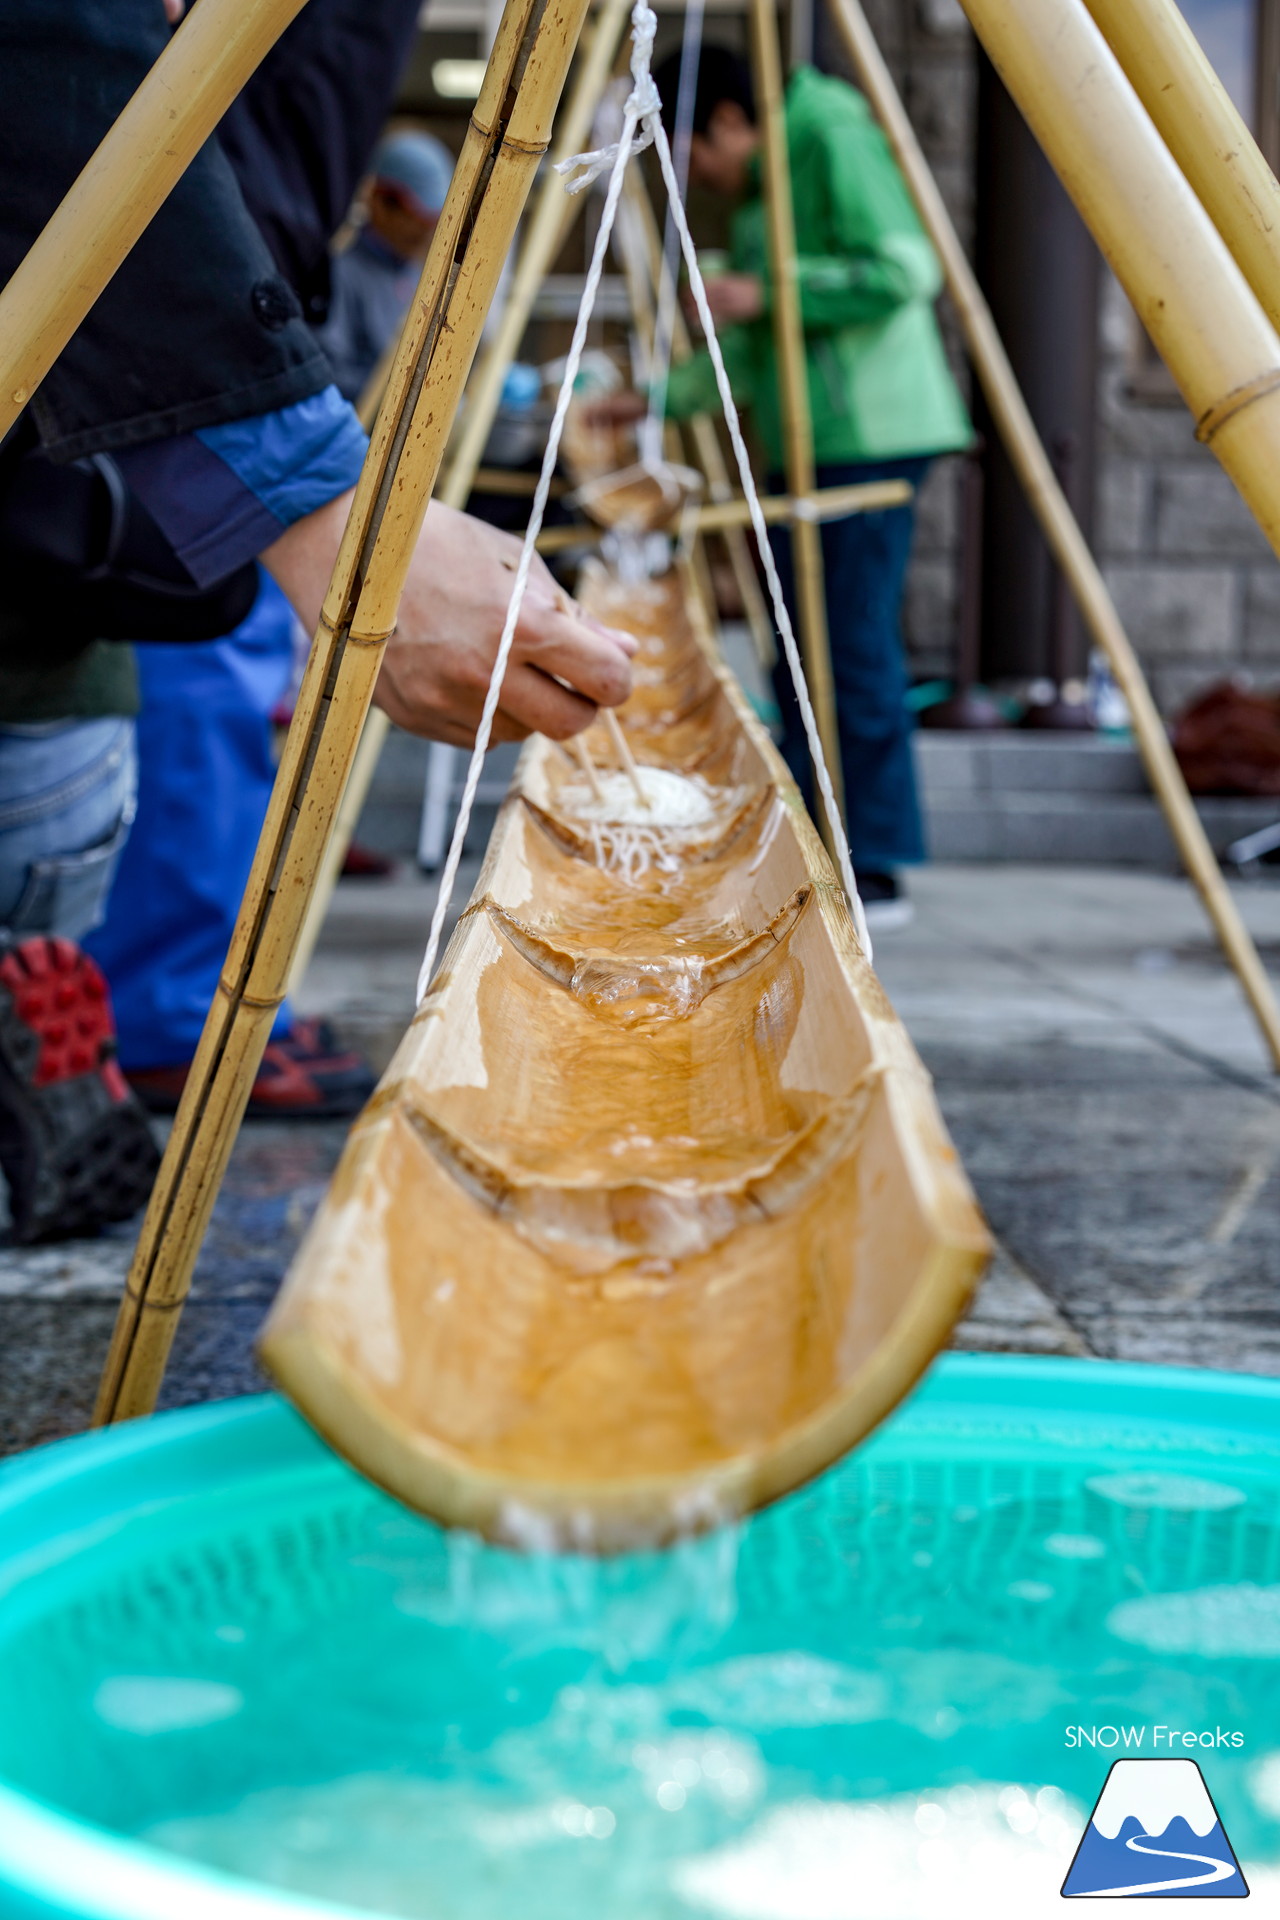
x: 37, y: 315
x: 1022, y: 441
x: 553, y: 218
x: 554, y: 214
x: 778, y: 509
x: 793, y: 394
x: 505, y: 140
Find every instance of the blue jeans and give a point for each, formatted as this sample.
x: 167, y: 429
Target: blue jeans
x: 67, y: 793
x: 205, y: 774
x: 865, y: 561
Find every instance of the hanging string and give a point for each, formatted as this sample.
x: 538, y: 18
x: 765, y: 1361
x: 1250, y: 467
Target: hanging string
x: 641, y: 127
x: 781, y: 616
x: 642, y: 103
x: 643, y: 110
x: 665, y: 324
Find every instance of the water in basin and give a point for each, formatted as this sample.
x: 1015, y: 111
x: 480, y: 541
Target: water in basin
x: 860, y: 1706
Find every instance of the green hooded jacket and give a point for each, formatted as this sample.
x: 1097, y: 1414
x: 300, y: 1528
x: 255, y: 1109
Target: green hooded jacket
x: 879, y: 384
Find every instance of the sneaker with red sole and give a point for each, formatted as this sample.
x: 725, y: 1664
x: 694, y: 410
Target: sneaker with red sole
x: 75, y: 1145
x: 307, y: 1075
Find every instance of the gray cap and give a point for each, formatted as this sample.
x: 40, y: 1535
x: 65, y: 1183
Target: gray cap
x: 418, y: 164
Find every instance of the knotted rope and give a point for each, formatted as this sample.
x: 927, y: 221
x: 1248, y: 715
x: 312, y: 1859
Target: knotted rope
x: 641, y: 127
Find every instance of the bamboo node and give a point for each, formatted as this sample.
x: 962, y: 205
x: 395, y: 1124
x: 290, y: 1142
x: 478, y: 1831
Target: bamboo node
x: 260, y: 1002
x: 1234, y: 402
x: 147, y: 1303
x: 535, y: 147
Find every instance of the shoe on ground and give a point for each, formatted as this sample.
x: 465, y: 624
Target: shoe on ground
x: 362, y: 863
x: 307, y: 1075
x: 75, y: 1145
x: 884, y: 902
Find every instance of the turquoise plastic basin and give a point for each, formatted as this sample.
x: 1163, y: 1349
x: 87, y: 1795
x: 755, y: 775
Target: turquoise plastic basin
x: 236, y: 1680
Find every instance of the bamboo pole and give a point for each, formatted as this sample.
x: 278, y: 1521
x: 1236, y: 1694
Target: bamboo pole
x: 1199, y: 123
x: 546, y: 232
x: 1045, y: 496
x: 547, y: 229
x: 506, y: 138
x: 793, y: 390
x: 779, y: 509
x: 372, y: 739
x: 119, y: 190
x: 1192, y: 298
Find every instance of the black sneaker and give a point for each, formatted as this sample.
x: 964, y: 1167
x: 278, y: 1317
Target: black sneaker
x: 883, y: 901
x: 75, y: 1145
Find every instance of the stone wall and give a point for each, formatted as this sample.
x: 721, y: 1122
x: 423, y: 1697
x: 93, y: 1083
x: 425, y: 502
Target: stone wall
x: 1193, y: 578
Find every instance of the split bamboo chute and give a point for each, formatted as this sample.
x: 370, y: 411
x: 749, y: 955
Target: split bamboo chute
x: 706, y: 445
x: 1110, y: 159
x: 653, y: 1215
x: 505, y: 139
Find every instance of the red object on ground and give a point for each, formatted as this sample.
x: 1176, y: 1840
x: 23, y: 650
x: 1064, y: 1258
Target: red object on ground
x: 75, y: 1146
x: 362, y: 863
x: 1228, y: 741
x: 60, y: 995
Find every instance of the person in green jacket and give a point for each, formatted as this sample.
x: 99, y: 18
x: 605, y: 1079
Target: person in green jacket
x: 881, y: 394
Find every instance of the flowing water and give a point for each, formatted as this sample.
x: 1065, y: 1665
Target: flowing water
x: 854, y: 1708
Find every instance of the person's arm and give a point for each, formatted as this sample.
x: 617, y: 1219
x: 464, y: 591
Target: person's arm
x: 436, y: 668
x: 224, y: 493
x: 845, y: 292
x: 691, y: 384
x: 278, y: 486
x: 876, y: 256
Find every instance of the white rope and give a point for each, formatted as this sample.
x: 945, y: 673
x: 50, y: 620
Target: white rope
x: 643, y: 107
x: 665, y: 325
x: 644, y: 99
x: 780, y: 614
x: 641, y: 127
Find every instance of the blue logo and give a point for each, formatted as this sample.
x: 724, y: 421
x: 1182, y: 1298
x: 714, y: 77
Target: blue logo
x: 1154, y: 1831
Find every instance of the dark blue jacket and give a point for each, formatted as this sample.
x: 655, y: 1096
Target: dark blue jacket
x: 301, y: 134
x: 198, y: 326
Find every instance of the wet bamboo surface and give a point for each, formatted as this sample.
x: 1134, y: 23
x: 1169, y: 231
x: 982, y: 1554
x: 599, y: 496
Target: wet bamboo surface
x: 653, y: 1214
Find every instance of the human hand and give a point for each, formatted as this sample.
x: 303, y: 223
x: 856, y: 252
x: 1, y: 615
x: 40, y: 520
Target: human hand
x: 436, y: 667
x: 173, y: 11
x: 730, y: 296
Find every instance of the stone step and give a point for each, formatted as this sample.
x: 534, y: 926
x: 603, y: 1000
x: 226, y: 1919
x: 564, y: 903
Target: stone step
x: 1057, y: 797
x: 1053, y: 797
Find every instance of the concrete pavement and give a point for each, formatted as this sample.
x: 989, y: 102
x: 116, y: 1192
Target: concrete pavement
x: 1095, y: 1061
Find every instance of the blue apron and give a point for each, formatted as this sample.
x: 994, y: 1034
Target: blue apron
x: 205, y: 771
